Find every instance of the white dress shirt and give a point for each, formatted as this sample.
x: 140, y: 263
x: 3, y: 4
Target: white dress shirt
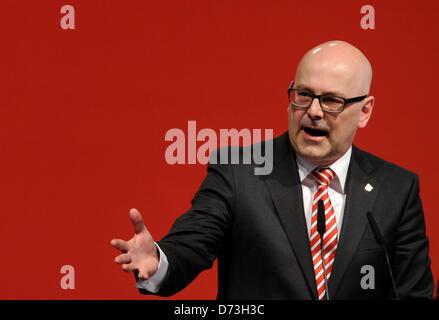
x: 309, y: 187
x: 336, y: 189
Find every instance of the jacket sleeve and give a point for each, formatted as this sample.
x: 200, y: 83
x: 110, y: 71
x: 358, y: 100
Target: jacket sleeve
x: 197, y: 236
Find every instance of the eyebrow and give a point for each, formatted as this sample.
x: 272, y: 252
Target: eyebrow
x: 333, y: 93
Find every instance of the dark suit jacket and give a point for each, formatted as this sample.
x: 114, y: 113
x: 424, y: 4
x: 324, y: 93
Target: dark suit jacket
x: 255, y: 226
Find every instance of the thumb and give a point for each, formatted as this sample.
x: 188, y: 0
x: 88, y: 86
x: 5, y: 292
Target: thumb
x: 137, y: 221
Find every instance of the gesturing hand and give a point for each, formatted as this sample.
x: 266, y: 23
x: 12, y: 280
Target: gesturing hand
x: 139, y: 254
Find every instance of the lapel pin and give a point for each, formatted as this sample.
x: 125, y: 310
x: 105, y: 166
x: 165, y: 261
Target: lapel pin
x: 368, y: 187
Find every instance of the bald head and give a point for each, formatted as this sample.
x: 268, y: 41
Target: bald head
x: 332, y: 69
x: 340, y: 63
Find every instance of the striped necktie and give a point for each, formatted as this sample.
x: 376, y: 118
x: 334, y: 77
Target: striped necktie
x: 323, y: 177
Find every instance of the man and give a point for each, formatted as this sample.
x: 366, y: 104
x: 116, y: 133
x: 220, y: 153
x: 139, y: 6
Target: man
x: 263, y: 229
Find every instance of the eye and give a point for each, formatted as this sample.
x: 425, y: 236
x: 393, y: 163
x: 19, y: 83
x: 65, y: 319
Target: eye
x: 329, y: 99
x: 304, y: 93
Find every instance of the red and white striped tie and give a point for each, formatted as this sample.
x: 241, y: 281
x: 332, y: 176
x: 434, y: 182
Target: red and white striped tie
x: 323, y: 177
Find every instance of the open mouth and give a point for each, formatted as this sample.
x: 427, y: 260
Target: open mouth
x: 314, y: 132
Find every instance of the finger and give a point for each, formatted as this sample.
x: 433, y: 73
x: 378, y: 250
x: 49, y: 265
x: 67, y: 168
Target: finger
x: 123, y: 258
x: 128, y: 268
x: 120, y: 244
x: 143, y: 275
x: 137, y: 221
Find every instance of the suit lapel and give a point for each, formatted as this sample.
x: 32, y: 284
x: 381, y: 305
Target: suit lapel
x: 286, y: 192
x: 359, y: 199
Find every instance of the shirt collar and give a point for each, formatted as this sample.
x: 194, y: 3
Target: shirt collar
x: 340, y: 167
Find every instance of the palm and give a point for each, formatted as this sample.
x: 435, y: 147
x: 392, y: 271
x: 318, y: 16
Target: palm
x: 142, y: 250
x: 139, y: 254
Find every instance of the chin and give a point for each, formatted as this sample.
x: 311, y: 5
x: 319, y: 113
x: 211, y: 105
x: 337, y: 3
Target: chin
x: 315, y: 155
x: 318, y: 154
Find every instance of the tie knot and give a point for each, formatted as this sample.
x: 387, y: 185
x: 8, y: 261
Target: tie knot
x: 323, y: 176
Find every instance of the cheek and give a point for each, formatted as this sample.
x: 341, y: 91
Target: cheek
x: 343, y: 131
x: 295, y: 117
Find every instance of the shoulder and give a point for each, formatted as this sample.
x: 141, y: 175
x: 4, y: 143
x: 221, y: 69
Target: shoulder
x: 378, y: 166
x: 255, y: 154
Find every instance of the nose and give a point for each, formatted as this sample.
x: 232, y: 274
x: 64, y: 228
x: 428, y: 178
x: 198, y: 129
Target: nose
x: 315, y: 110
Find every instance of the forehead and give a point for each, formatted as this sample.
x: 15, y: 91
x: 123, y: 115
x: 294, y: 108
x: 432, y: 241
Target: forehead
x: 330, y: 73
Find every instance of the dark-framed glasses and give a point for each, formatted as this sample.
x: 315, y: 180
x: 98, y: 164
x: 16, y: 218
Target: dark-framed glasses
x: 302, y: 98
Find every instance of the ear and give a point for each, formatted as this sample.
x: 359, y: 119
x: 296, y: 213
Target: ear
x: 366, y: 112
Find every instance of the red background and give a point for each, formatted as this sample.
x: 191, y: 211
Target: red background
x: 84, y: 114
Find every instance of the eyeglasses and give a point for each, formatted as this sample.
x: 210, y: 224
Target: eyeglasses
x: 302, y: 98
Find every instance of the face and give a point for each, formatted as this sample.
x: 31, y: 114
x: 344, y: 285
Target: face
x: 321, y: 137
